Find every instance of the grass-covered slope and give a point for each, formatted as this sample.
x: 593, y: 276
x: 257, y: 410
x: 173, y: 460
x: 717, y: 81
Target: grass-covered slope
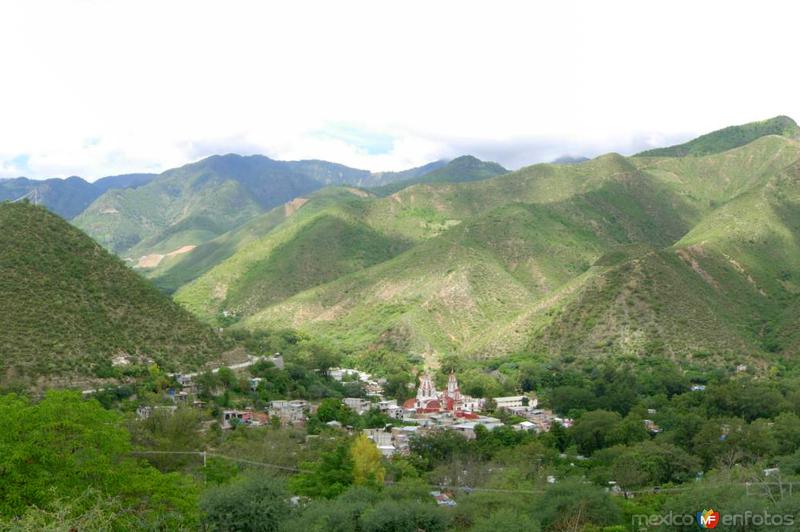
x: 69, y: 307
x: 710, y: 181
x: 729, y: 138
x: 449, y: 292
x: 317, y: 241
x: 648, y: 302
x: 728, y: 288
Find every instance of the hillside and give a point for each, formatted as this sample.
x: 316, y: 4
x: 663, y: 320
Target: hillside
x: 255, y: 241
x: 191, y: 204
x: 70, y: 307
x: 729, y: 138
x: 415, y: 214
x: 363, y: 209
x: 444, y: 294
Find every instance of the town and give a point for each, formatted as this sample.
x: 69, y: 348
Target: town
x: 429, y: 411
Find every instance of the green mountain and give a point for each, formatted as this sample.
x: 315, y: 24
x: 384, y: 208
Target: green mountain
x: 445, y: 293
x: 412, y: 215
x: 192, y: 204
x: 189, y: 206
x: 459, y: 170
x: 66, y: 197
x: 70, y: 307
x: 688, y: 257
x: 729, y: 138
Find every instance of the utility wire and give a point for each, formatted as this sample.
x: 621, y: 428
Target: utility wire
x: 467, y: 489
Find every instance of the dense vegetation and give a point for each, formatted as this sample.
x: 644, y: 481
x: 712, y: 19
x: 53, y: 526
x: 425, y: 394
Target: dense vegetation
x: 70, y: 307
x: 74, y: 463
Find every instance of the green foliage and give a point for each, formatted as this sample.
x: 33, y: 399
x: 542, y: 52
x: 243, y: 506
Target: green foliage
x: 89, y: 511
x: 653, y: 464
x: 571, y: 505
x: 594, y: 430
x: 169, y: 431
x: 67, y: 445
x: 506, y: 520
x: 328, y: 477
x: 404, y: 516
x: 255, y: 503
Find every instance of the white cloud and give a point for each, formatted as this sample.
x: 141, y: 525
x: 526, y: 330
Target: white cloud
x: 102, y: 87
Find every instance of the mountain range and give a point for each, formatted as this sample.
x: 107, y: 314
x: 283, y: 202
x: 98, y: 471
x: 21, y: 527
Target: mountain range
x: 66, y: 197
x: 690, y: 252
x: 694, y: 257
x: 188, y: 206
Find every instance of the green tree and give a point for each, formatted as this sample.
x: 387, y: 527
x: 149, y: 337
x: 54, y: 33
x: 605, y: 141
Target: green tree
x: 404, y: 516
x: 169, y: 431
x: 651, y: 464
x: 506, y: 520
x: 251, y: 504
x: 573, y: 505
x: 327, y: 477
x: 786, y: 431
x: 66, y: 445
x: 592, y: 431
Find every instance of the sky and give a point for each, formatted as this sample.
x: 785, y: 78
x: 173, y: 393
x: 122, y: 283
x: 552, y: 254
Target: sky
x: 97, y: 88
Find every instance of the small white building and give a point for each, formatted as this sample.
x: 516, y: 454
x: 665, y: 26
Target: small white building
x: 357, y: 404
x: 510, y: 401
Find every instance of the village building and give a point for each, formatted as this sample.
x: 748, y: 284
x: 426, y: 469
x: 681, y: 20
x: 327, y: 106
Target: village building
x: 357, y: 404
x: 468, y: 428
x: 390, y: 408
x: 290, y: 413
x: 243, y: 417
x: 511, y: 401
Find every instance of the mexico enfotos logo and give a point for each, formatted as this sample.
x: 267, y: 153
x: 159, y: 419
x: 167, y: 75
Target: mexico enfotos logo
x: 709, y: 518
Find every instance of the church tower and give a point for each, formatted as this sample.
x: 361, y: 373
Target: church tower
x: 426, y: 392
x: 453, y: 392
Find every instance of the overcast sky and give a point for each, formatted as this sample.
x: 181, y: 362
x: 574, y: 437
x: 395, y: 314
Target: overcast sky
x: 96, y: 88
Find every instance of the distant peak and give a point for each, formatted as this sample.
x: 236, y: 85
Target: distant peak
x: 570, y: 159
x: 465, y: 159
